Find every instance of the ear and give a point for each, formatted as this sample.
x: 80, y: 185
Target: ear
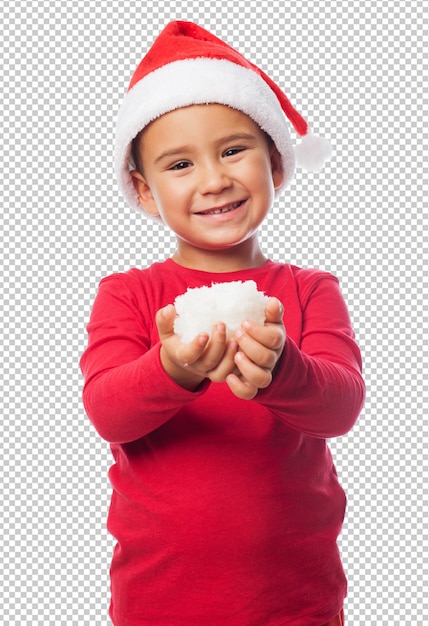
x: 276, y: 167
x: 146, y: 199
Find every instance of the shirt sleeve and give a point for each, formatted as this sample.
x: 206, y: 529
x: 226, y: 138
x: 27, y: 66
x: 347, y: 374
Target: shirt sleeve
x: 126, y: 393
x: 317, y: 386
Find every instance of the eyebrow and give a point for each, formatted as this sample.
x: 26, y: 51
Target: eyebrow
x: 237, y: 137
x: 181, y: 149
x: 172, y: 153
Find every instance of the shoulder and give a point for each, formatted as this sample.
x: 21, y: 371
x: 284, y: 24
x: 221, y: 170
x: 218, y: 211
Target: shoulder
x: 307, y: 281
x: 133, y: 290
x: 146, y: 289
x: 307, y: 277
x: 134, y: 279
x: 304, y: 278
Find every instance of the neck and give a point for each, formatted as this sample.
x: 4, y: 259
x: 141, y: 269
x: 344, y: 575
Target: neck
x: 240, y: 257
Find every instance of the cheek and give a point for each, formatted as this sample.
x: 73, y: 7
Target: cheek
x: 262, y: 179
x: 164, y: 195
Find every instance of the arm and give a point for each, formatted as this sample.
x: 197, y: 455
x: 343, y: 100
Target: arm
x: 127, y: 392
x: 316, y: 387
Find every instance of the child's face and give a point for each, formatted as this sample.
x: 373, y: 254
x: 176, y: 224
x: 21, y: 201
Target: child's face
x: 210, y: 174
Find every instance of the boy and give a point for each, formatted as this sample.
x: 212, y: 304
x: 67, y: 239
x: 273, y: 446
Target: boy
x: 226, y: 505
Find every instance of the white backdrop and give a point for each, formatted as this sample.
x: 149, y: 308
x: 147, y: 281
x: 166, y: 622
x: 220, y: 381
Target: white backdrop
x: 359, y: 72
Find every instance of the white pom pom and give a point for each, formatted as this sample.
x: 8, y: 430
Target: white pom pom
x: 312, y: 153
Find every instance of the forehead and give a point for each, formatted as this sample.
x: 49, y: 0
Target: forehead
x: 214, y: 118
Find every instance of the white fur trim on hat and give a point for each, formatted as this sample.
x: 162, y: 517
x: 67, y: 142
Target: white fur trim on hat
x: 198, y: 81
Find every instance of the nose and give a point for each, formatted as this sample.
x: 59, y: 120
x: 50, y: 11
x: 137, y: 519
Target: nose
x: 213, y: 178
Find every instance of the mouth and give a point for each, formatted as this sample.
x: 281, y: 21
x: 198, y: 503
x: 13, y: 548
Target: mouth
x: 225, y: 209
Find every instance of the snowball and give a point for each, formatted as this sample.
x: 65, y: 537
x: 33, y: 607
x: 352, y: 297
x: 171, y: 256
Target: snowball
x: 199, y: 309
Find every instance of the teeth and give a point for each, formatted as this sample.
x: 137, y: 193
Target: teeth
x: 231, y: 207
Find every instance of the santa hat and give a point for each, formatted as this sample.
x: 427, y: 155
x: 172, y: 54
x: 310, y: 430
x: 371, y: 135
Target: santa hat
x: 188, y: 65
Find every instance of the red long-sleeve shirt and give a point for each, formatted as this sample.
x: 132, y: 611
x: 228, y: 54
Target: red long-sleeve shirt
x: 226, y: 511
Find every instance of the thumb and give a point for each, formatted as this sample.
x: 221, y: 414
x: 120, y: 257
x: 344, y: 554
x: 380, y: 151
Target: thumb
x: 274, y: 311
x: 165, y: 321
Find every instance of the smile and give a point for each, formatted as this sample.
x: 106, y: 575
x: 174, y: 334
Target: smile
x: 225, y: 209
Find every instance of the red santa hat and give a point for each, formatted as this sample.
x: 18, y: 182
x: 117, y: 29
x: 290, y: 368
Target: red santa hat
x: 188, y: 65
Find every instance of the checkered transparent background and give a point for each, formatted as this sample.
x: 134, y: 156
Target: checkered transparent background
x: 359, y: 72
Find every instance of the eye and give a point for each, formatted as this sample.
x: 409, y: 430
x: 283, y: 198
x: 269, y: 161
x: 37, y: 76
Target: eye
x: 233, y: 151
x: 180, y: 165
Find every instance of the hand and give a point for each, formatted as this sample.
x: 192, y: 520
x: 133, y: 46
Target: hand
x: 205, y: 357
x: 259, y: 348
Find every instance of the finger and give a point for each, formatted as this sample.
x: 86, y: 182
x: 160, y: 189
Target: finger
x: 261, y: 377
x: 165, y: 321
x: 179, y: 353
x: 204, y: 352
x: 190, y: 353
x: 226, y: 365
x: 241, y: 388
x: 270, y: 335
x: 216, y: 346
x: 257, y: 352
